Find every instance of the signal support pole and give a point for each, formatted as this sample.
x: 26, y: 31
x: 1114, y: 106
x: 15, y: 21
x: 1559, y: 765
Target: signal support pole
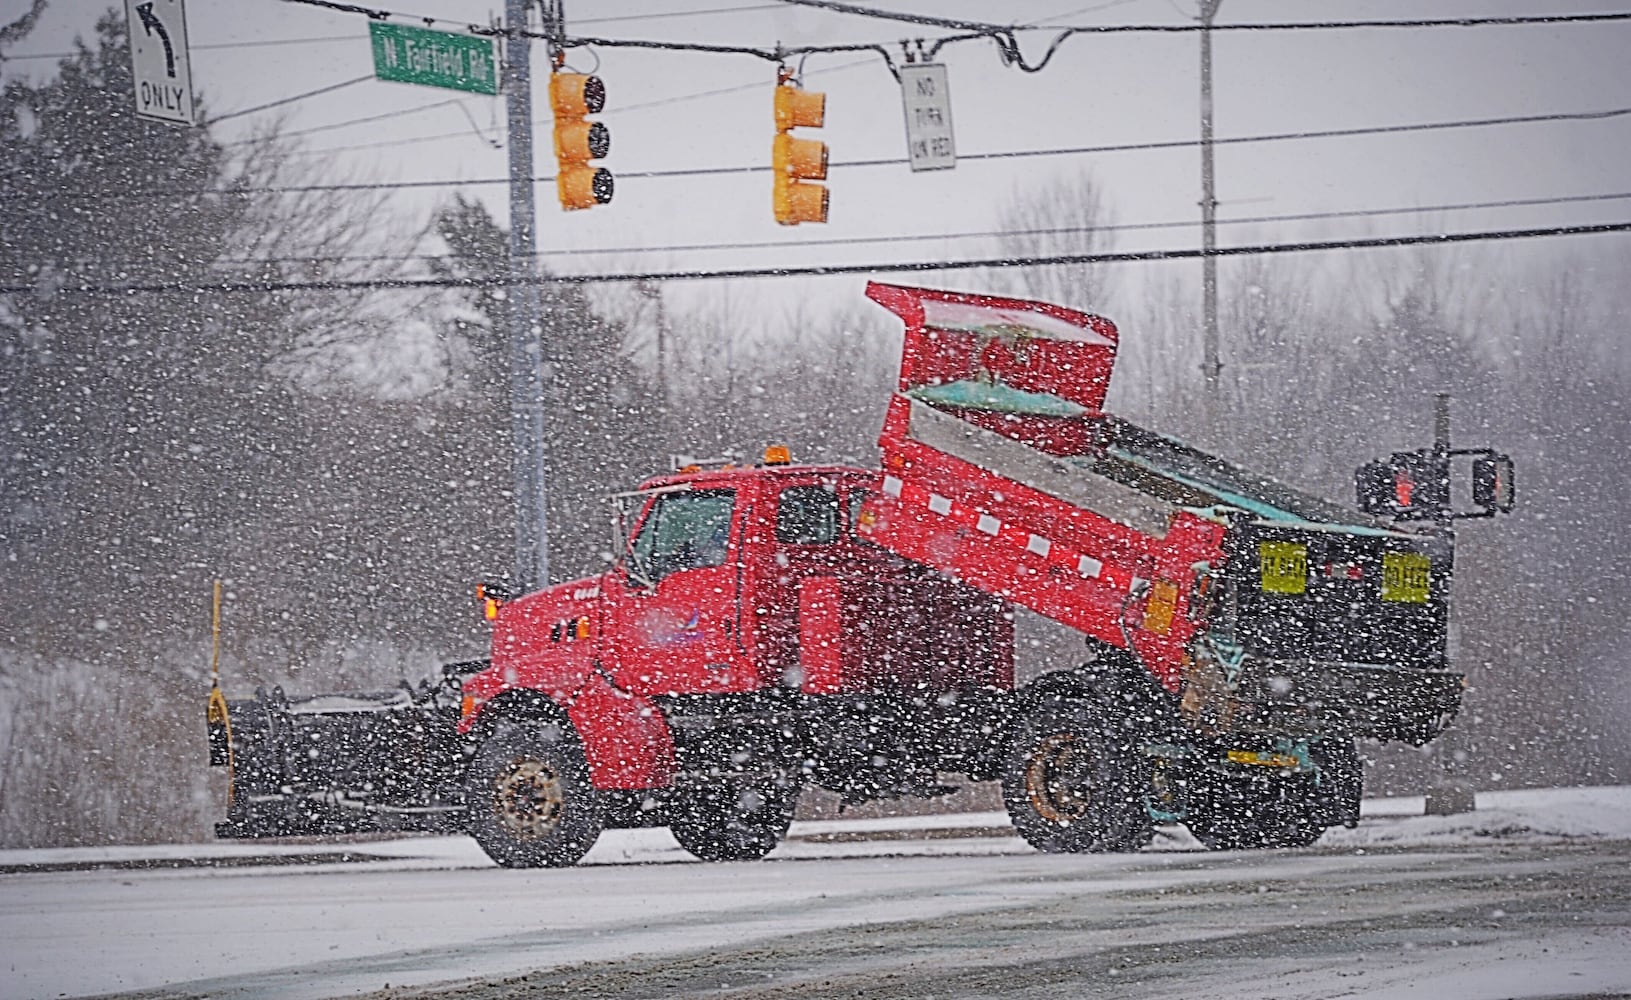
x: 526, y: 333
x: 1211, y: 365
x: 1451, y: 793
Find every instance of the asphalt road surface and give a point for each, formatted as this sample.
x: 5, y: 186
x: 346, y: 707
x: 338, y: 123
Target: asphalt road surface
x: 978, y: 917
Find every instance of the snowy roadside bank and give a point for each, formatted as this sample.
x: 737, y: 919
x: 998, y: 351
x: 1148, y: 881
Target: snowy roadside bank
x: 1531, y: 815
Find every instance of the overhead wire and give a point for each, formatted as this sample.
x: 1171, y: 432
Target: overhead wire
x: 364, y: 120
x: 289, y: 100
x: 858, y: 163
x: 645, y: 105
x: 227, y: 287
x: 964, y: 235
x: 954, y: 24
x: 608, y: 113
x: 328, y: 39
x: 1003, y: 35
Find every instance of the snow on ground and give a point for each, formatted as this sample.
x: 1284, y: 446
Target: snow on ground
x: 1530, y: 815
x: 239, y: 920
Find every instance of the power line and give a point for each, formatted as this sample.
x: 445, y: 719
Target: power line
x: 320, y: 40
x: 288, y: 100
x: 328, y: 39
x: 988, y: 26
x: 830, y: 270
x: 1003, y: 35
x: 875, y: 162
x: 609, y: 113
x: 416, y: 109
x: 646, y: 105
x: 986, y: 234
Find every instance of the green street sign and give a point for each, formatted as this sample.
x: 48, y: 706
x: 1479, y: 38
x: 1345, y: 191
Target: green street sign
x: 404, y: 54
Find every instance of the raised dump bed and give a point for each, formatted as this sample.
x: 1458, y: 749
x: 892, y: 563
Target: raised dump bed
x: 1257, y: 603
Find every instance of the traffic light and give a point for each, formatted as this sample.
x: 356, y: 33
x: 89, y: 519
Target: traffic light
x: 795, y: 162
x: 577, y: 140
x: 1410, y: 485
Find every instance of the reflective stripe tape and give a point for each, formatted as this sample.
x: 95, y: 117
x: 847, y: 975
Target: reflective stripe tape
x: 1085, y: 565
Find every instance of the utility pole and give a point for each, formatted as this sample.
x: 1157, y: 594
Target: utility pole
x: 1211, y: 365
x: 653, y: 293
x: 1450, y: 793
x: 526, y: 332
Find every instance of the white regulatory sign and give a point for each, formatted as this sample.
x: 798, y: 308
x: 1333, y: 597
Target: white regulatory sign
x: 926, y: 97
x: 158, y: 60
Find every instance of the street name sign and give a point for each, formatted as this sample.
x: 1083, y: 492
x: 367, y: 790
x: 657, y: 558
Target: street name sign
x: 927, y: 99
x: 160, y: 68
x: 405, y: 54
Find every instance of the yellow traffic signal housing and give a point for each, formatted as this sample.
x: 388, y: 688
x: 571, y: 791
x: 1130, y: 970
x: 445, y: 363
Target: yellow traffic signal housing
x: 573, y: 96
x: 794, y: 162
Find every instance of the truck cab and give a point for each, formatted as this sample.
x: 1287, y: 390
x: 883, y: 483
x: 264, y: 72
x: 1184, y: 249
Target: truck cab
x: 744, y: 620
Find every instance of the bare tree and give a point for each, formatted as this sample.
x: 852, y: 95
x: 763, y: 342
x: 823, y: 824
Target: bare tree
x: 291, y: 233
x: 1066, y: 215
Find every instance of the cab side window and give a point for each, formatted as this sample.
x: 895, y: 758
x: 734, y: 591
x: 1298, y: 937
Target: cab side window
x: 807, y: 515
x: 683, y: 531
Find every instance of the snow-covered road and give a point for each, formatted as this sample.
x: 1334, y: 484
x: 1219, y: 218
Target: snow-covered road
x: 1529, y: 897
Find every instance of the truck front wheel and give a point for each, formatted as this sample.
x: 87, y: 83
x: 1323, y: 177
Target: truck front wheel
x: 529, y: 799
x: 732, y: 819
x: 1074, y: 781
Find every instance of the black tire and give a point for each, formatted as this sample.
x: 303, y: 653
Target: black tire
x: 732, y: 818
x: 1253, y: 815
x: 1075, y: 780
x: 1260, y: 808
x: 529, y: 800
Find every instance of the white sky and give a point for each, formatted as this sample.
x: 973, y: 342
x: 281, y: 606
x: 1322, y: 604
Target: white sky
x: 664, y: 112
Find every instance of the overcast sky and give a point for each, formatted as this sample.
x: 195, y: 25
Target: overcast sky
x: 687, y: 110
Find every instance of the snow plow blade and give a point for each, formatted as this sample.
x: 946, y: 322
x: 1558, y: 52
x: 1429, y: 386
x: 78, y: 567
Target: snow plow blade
x: 344, y: 763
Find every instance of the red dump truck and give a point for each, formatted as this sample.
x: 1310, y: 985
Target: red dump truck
x: 775, y: 626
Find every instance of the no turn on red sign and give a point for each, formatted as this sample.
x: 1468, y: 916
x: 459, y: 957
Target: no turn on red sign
x: 160, y: 68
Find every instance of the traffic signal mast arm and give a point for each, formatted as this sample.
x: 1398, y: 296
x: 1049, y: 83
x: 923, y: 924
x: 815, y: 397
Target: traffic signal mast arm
x: 795, y: 162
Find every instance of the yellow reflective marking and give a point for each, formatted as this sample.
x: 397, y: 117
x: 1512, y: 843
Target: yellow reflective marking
x: 1405, y: 577
x: 1262, y: 759
x: 1284, y: 567
x: 1158, y: 612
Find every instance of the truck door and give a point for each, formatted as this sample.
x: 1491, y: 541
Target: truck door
x: 677, y: 602
x: 805, y: 560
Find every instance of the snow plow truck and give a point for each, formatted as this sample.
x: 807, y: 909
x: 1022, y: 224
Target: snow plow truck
x: 768, y: 627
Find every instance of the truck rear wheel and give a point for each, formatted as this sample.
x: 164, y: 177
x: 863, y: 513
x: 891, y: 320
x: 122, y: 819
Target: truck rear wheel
x: 1075, y: 781
x: 732, y: 819
x: 529, y: 799
x: 1253, y: 815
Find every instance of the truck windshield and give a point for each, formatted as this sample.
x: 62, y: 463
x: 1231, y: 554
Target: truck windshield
x: 686, y: 530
